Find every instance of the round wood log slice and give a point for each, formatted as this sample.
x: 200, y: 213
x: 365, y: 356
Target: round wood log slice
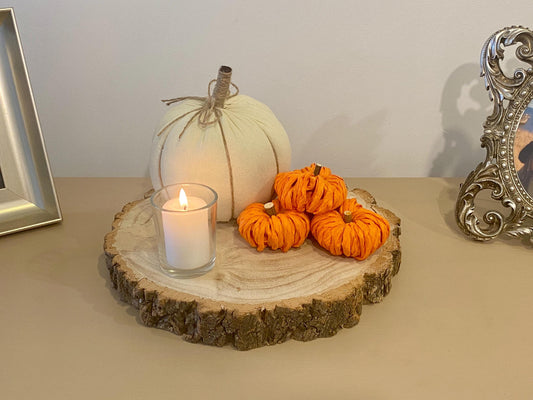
x: 250, y: 298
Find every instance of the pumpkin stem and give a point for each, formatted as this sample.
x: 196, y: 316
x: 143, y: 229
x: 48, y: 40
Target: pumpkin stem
x: 318, y: 167
x: 347, y: 216
x: 221, y: 91
x: 270, y: 209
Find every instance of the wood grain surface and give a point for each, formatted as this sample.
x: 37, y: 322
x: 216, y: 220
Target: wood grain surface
x: 249, y: 299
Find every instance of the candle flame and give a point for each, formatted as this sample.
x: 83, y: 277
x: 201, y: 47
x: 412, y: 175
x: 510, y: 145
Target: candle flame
x: 184, y: 204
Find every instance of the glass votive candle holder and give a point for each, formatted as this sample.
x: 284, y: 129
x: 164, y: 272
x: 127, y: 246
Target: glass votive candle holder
x: 185, y: 216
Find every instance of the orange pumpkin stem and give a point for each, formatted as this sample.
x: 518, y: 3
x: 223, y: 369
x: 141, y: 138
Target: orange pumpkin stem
x: 220, y: 93
x: 318, y: 167
x: 270, y: 209
x: 347, y: 216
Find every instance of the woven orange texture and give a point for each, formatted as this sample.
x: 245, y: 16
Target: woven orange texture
x: 282, y: 231
x: 358, y: 239
x: 301, y: 190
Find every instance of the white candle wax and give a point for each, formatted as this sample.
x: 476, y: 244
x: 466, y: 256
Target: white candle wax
x: 186, y: 231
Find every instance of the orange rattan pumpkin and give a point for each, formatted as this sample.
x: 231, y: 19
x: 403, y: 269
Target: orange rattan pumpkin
x: 352, y: 230
x: 269, y: 226
x: 313, y: 189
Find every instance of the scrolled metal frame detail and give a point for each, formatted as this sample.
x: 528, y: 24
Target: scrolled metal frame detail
x: 497, y: 173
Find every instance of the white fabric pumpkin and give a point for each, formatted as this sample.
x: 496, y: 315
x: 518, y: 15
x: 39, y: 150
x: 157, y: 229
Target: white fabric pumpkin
x: 239, y: 161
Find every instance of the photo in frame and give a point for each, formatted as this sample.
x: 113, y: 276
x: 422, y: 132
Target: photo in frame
x: 27, y: 195
x: 507, y: 171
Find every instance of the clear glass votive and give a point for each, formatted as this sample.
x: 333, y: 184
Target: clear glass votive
x: 185, y: 216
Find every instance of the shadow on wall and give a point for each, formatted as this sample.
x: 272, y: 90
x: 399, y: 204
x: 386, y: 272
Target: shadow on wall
x: 349, y: 148
x: 464, y: 107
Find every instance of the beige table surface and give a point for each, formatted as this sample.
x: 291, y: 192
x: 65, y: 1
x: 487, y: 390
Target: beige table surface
x: 457, y: 324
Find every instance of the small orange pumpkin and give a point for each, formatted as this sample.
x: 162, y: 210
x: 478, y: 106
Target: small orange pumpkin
x: 352, y: 230
x: 313, y: 189
x: 267, y: 225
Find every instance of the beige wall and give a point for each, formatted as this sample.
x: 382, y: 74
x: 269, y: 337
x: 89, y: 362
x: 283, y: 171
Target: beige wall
x: 383, y: 88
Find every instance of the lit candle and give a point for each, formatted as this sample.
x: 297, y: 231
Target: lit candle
x: 186, y: 231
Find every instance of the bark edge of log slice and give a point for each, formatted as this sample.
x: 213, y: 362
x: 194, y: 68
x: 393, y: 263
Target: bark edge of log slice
x: 245, y: 327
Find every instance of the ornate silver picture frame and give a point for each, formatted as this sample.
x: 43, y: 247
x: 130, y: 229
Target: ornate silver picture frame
x: 508, y: 139
x: 27, y: 194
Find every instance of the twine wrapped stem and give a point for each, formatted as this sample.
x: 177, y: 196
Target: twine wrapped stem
x: 222, y: 86
x: 209, y: 113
